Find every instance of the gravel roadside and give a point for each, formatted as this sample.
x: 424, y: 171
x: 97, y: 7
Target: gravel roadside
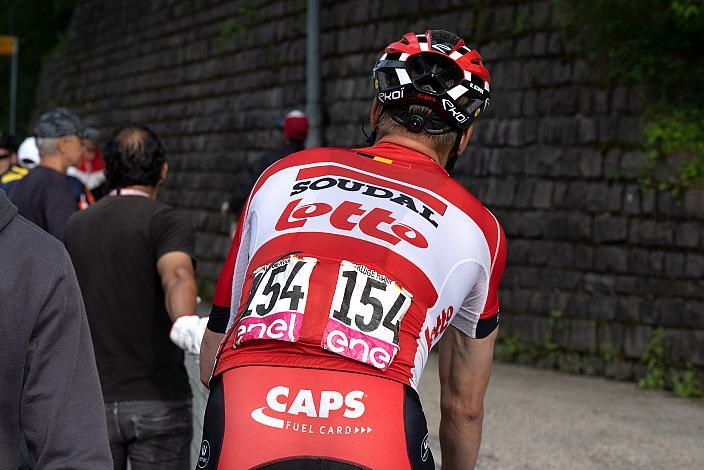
x: 539, y: 420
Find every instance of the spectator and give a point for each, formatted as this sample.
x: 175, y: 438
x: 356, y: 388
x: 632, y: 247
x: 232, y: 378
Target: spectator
x: 9, y: 171
x: 294, y: 130
x: 91, y: 171
x: 135, y: 265
x: 49, y: 389
x: 45, y: 196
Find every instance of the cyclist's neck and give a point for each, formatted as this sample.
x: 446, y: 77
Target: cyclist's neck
x: 413, y: 144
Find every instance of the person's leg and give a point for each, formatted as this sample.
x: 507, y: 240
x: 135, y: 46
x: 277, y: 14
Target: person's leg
x: 24, y: 463
x: 118, y: 446
x: 162, y: 433
x: 200, y: 399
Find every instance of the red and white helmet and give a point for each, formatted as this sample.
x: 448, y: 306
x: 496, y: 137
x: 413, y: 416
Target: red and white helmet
x: 436, y: 70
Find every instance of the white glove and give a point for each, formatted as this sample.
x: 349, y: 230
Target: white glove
x: 187, y: 332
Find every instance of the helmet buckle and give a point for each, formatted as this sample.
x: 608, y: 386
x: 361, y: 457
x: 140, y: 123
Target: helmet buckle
x: 415, y: 123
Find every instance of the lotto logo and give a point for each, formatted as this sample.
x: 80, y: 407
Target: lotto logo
x: 441, y: 324
x: 376, y: 222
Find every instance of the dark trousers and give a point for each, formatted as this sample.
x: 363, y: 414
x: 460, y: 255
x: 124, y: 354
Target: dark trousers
x: 151, y: 434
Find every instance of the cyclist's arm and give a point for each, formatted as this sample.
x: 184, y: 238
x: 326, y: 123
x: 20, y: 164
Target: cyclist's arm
x: 208, y: 351
x: 227, y: 291
x: 465, y: 367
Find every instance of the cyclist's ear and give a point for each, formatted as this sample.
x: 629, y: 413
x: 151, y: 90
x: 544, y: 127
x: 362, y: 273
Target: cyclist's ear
x: 374, y: 113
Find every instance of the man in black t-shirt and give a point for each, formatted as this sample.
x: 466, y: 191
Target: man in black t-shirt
x: 134, y: 258
x: 45, y: 196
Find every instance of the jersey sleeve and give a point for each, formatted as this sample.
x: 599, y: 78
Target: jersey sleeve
x: 480, y: 308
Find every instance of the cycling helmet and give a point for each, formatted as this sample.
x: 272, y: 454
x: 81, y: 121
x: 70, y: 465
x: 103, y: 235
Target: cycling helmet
x: 435, y: 70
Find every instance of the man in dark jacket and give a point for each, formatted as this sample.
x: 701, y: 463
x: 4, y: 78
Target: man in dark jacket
x: 49, y: 389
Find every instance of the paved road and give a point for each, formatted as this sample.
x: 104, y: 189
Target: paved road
x: 542, y: 420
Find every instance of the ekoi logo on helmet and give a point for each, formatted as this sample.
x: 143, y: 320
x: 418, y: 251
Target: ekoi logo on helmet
x: 456, y: 113
x: 390, y: 96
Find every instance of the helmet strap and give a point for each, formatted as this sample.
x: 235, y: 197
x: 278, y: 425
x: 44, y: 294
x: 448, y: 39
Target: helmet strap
x: 371, y: 139
x: 452, y: 158
x: 370, y: 136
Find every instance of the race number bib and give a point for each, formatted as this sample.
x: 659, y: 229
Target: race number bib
x: 278, y: 300
x: 367, y: 309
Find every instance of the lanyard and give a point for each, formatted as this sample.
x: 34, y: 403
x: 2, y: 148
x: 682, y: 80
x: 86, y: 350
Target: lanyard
x: 128, y: 192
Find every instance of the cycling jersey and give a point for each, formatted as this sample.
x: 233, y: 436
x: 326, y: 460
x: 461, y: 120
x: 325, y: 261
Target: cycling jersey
x: 358, y: 260
x: 346, y: 268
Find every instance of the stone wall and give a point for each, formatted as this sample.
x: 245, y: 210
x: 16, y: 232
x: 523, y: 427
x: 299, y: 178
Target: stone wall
x: 595, y: 261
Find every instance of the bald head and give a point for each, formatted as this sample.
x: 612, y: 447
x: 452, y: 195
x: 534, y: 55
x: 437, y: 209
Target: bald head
x: 133, y: 156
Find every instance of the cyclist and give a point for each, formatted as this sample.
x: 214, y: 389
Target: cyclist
x: 347, y: 267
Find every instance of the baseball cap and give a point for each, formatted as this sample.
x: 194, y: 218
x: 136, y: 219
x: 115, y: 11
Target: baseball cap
x: 59, y: 122
x: 295, y: 124
x: 90, y: 133
x: 28, y: 153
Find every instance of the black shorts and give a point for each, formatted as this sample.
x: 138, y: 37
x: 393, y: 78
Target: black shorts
x: 278, y: 418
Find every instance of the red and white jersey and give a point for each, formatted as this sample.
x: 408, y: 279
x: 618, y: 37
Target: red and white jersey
x: 358, y: 260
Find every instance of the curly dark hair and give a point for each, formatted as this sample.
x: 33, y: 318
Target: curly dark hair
x: 133, y: 155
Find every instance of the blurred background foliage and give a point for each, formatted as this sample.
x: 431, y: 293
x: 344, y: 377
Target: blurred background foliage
x: 659, y: 45
x: 40, y: 26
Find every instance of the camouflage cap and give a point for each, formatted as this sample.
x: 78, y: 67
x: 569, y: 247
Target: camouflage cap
x: 59, y: 122
x: 90, y: 133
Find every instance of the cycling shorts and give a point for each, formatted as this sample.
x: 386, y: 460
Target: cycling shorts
x: 277, y: 418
